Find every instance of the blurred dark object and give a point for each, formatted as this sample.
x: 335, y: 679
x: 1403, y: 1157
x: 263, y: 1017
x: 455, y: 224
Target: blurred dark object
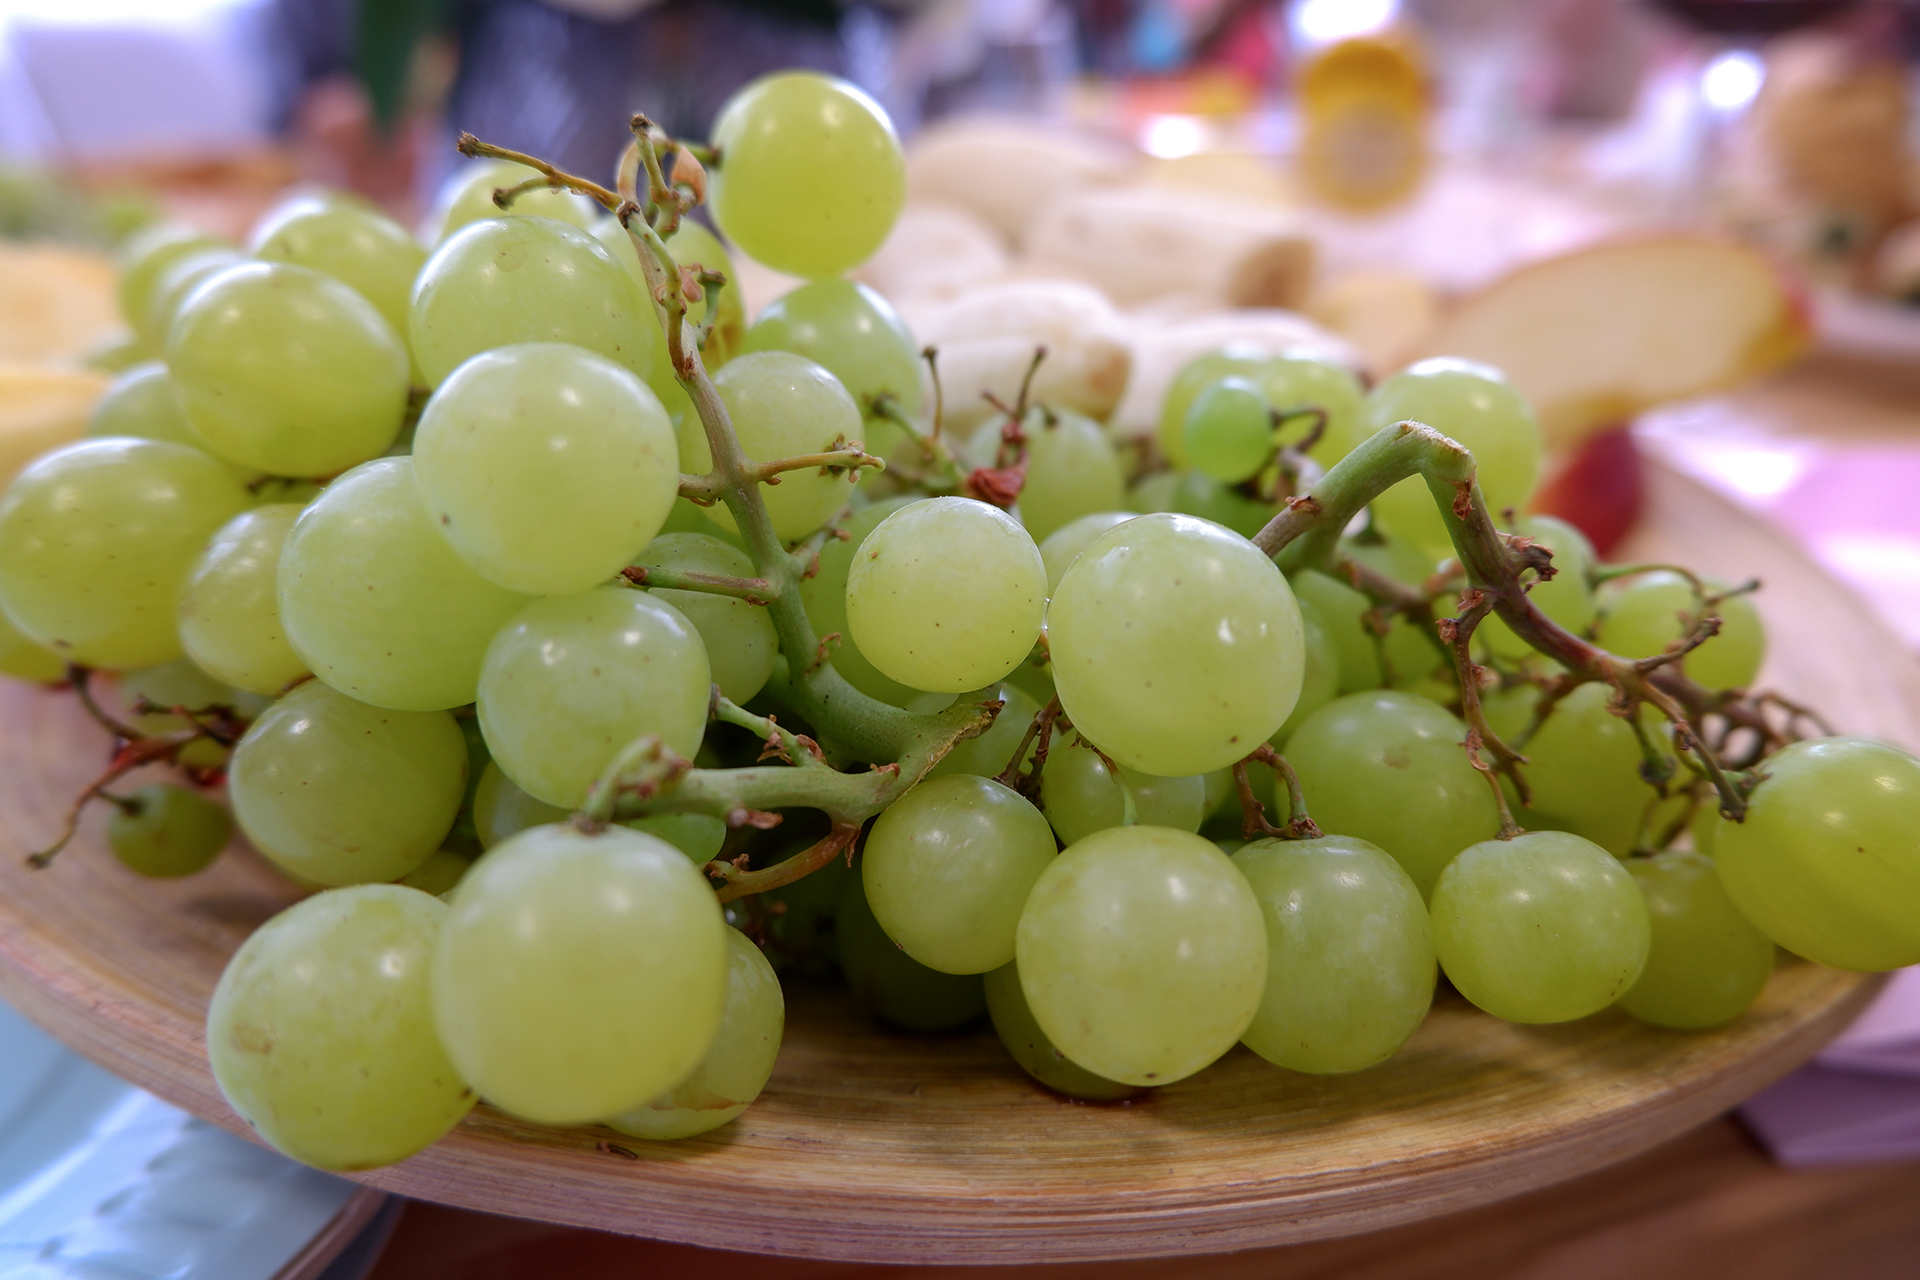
x: 1600, y: 489
x: 1753, y: 17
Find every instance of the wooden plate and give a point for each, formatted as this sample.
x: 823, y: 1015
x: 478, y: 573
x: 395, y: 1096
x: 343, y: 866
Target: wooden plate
x: 872, y: 1146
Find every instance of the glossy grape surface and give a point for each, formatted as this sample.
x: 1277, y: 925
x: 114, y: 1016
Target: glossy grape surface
x: 854, y: 334
x: 168, y: 831
x: 1584, y: 769
x: 825, y: 598
x: 1320, y: 672
x: 172, y: 287
x: 1545, y: 927
x: 360, y: 247
x: 26, y: 659
x: 1229, y: 430
x: 321, y: 1030
x: 1176, y: 645
x: 146, y: 255
x: 141, y: 402
x: 1071, y: 472
x: 1014, y: 1023
x: 739, y: 637
x: 377, y: 603
x: 230, y: 606
x: 1707, y: 961
x: 1293, y: 380
x: 502, y: 809
x: 1143, y: 954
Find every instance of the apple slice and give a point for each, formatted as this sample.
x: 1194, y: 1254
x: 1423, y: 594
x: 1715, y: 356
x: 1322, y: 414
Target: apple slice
x: 1596, y: 336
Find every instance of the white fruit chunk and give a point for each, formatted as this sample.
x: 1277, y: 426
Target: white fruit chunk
x: 1002, y: 170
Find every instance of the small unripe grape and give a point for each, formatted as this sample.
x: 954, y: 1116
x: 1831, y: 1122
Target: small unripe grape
x: 168, y: 831
x: 1707, y: 961
x: 1229, y: 430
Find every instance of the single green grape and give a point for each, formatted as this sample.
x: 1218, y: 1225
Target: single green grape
x: 321, y: 1030
x: 698, y: 835
x: 547, y: 467
x: 506, y: 281
x: 1014, y: 1023
x: 811, y: 176
x: 26, y: 659
x: 1584, y: 770
x: 172, y: 287
x: 142, y: 403
x: 1143, y: 954
x: 96, y: 540
x: 1319, y: 673
x: 947, y: 868
x: 166, y: 831
x: 288, y: 371
x: 1707, y: 961
x: 1229, y: 430
x: 377, y: 603
x: 1567, y: 598
x: 1241, y: 360
x: 825, y: 597
x: 1296, y: 379
x: 146, y: 256
x: 1176, y: 645
x: 854, y: 334
x: 1080, y: 797
x: 359, y: 246
x: 1826, y: 862
x: 737, y: 1066
x: 1195, y: 493
x: 1072, y: 472
x: 570, y: 681
x: 782, y: 406
x: 1476, y: 406
x: 947, y: 595
x: 1643, y: 614
x: 739, y: 637
x: 502, y: 809
x: 1350, y: 962
x: 580, y: 975
x: 692, y: 246
x: 1545, y: 927
x: 229, y: 611
x: 338, y: 792
x: 466, y: 197
x: 891, y: 984
x: 1387, y: 767
x: 1059, y: 549
x: 991, y: 752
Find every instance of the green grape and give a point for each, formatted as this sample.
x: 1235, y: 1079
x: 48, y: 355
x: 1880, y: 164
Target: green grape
x: 286, y: 370
x: 507, y: 281
x: 1196, y: 493
x: 737, y: 1066
x: 502, y: 809
x: 1080, y: 797
x: 1319, y: 674
x: 25, y: 659
x: 1545, y: 927
x: 173, y: 286
x: 1641, y: 615
x: 570, y: 681
x: 1240, y: 360
x: 1229, y: 431
x: 811, y: 177
x: 825, y: 597
x: 96, y: 539
x: 1703, y: 825
x: 338, y: 792
x: 1176, y: 645
x: 854, y: 334
x: 1059, y: 549
x: 146, y: 256
x: 440, y: 874
x: 547, y: 467
x: 1707, y: 961
x: 1826, y: 862
x: 1387, y: 767
x: 355, y: 244
x: 321, y: 1030
x: 142, y: 403
x: 580, y: 975
x: 739, y: 637
x: 1034, y: 677
x: 1476, y: 406
x: 947, y: 869
x: 167, y: 831
x: 230, y: 607
x: 991, y: 752
x: 466, y: 197
x: 1014, y: 1023
x: 692, y: 246
x: 184, y: 684
x: 782, y: 406
x: 1567, y: 599
x: 1296, y: 379
x: 1357, y: 650
x: 1071, y: 472
x: 891, y: 984
x: 1143, y: 954
x: 947, y: 595
x: 377, y: 603
x: 1584, y: 770
x: 1350, y: 966
x: 698, y: 835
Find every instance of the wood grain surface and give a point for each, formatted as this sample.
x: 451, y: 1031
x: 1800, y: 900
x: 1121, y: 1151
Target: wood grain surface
x: 878, y: 1147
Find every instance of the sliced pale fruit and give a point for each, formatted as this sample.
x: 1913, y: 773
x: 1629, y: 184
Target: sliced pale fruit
x: 56, y: 304
x: 934, y: 252
x: 1596, y: 336
x: 1386, y: 315
x: 1001, y: 170
x: 41, y: 408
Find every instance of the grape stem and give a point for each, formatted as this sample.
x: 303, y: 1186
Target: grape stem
x: 1457, y: 633
x: 1306, y: 533
x: 1300, y: 824
x: 738, y: 882
x: 1039, y: 736
x: 938, y: 457
x: 706, y: 490
x: 752, y: 590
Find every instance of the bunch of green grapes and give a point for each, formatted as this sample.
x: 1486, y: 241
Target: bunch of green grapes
x: 568, y: 637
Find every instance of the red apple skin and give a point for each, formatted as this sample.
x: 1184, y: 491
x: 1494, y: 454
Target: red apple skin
x: 1600, y: 489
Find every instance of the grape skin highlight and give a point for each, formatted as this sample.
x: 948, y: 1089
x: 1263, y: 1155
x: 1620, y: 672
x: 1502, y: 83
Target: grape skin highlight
x: 230, y: 605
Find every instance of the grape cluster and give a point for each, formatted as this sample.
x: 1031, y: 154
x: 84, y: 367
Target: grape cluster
x: 590, y: 688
